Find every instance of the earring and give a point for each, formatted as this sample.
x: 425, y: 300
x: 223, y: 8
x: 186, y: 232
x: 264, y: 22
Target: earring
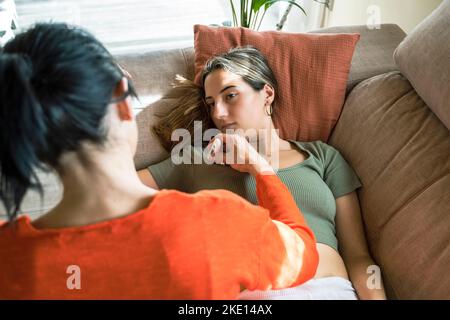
x: 269, y: 111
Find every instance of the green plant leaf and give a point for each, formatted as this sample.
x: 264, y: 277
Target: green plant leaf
x: 257, y: 4
x: 244, y: 14
x: 269, y: 3
x: 249, y: 11
x: 233, y: 11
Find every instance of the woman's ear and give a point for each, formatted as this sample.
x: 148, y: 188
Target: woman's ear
x: 269, y: 93
x: 124, y: 107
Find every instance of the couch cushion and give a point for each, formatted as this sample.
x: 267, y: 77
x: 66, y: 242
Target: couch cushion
x: 311, y: 70
x: 424, y: 58
x: 149, y: 150
x: 374, y: 51
x: 153, y: 72
x: 401, y: 152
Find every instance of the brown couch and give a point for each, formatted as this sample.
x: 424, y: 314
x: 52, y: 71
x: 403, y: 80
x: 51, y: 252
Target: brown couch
x: 397, y: 140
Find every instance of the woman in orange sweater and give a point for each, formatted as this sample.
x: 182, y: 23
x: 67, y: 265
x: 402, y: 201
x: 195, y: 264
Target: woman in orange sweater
x: 65, y: 106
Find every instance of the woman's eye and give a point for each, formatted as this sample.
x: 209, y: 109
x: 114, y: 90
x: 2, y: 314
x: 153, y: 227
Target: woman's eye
x: 211, y: 104
x: 231, y: 95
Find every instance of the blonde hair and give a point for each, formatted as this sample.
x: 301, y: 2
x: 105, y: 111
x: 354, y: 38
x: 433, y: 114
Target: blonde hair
x: 246, y: 62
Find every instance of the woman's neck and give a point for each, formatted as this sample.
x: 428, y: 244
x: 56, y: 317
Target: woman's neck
x: 269, y: 142
x: 106, y: 188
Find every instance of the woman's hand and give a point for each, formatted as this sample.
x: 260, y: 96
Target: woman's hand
x: 235, y: 151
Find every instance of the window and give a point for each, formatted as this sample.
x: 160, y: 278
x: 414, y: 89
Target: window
x: 143, y: 25
x: 131, y: 25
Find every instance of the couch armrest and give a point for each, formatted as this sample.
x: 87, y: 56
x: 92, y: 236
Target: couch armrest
x: 374, y: 51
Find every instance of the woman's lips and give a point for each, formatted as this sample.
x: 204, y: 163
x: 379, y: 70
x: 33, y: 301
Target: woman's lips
x: 228, y: 125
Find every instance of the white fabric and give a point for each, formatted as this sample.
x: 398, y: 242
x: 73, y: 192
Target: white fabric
x: 328, y: 288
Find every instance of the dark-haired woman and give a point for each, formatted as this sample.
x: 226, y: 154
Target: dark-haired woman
x: 65, y: 106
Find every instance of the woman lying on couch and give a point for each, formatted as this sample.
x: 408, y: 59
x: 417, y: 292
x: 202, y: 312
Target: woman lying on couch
x: 238, y: 90
x: 65, y: 105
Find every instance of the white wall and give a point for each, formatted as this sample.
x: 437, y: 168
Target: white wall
x: 406, y: 13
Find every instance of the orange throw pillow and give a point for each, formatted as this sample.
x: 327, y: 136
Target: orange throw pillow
x: 311, y: 70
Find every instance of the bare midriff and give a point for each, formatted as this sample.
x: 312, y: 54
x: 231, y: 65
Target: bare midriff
x: 330, y: 263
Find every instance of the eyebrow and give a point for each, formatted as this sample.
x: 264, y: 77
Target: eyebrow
x: 227, y: 87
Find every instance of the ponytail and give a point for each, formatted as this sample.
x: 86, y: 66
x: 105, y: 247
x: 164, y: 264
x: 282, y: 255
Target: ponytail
x: 22, y: 131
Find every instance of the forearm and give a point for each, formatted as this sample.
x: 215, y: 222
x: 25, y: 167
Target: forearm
x: 276, y: 198
x: 367, y: 282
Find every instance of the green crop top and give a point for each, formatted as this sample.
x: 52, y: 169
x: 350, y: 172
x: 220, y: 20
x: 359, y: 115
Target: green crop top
x: 314, y: 183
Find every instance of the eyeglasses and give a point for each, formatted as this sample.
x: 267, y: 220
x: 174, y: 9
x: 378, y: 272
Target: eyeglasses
x: 126, y: 93
x: 122, y: 97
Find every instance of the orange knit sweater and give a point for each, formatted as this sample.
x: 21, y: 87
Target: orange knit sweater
x: 182, y: 246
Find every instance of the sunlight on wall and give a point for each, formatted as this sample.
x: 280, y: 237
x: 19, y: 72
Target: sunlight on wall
x: 406, y: 13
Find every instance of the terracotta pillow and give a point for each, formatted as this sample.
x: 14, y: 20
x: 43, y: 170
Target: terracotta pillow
x: 311, y: 70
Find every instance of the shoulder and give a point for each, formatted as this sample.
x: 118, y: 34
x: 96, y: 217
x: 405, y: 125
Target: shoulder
x: 318, y: 149
x: 12, y: 231
x: 218, y: 202
x: 214, y: 214
x: 4, y: 228
x: 8, y: 226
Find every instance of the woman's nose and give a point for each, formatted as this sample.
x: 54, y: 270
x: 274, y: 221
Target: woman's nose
x: 220, y: 110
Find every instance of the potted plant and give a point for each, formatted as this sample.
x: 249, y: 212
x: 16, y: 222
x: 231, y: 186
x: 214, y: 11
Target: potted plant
x: 249, y: 15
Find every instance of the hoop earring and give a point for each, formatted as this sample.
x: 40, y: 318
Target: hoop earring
x: 269, y: 111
